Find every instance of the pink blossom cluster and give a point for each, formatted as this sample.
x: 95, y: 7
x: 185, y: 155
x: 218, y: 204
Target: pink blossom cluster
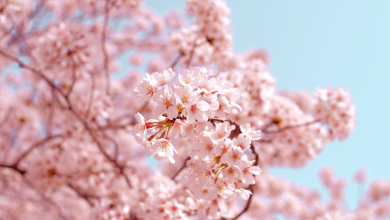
x: 212, y: 18
x: 78, y: 119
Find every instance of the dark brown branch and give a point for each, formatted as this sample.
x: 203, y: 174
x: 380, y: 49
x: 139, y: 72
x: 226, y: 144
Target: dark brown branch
x: 37, y: 144
x: 83, y: 195
x: 116, y: 151
x: 100, y: 146
x: 246, y: 206
x: 122, y: 171
x: 14, y: 167
x: 256, y: 163
x: 181, y: 168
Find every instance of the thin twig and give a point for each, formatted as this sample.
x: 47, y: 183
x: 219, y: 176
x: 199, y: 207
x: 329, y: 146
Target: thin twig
x: 291, y: 127
x: 83, y: 195
x: 37, y: 144
x: 194, y: 45
x: 176, y: 61
x: 70, y: 108
x: 141, y: 110
x: 247, y: 204
x: 256, y: 155
x: 43, y: 197
x: 73, y: 78
x: 103, y: 44
x: 181, y: 168
x: 35, y: 71
x: 91, y: 96
x: 14, y: 167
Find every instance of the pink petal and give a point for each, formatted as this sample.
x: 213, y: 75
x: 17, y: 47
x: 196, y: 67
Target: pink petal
x: 172, y: 112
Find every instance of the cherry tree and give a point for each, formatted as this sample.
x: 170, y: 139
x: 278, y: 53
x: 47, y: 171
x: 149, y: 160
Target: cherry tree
x: 74, y: 136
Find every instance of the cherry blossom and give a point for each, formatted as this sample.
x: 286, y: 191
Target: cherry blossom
x: 81, y: 120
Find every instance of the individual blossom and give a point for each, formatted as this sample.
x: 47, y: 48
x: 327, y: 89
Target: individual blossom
x: 243, y: 193
x: 167, y: 102
x: 222, y: 130
x: 219, y: 189
x: 201, y: 73
x: 163, y: 78
x: 186, y: 94
x: 140, y: 127
x: 248, y: 172
x: 242, y: 141
x: 146, y: 88
x: 233, y: 156
x: 205, y: 147
x: 163, y: 149
x: 229, y: 98
x: 247, y: 131
x: 187, y: 78
x: 196, y: 111
x: 231, y: 173
x: 214, y: 104
x: 223, y: 146
x: 175, y: 208
x: 208, y: 85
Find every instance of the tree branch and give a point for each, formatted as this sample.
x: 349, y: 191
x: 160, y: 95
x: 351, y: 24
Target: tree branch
x: 291, y: 127
x: 14, y: 167
x: 70, y: 108
x: 83, y: 195
x: 181, y: 168
x: 247, y: 204
x: 103, y: 45
x: 39, y: 143
x: 176, y: 61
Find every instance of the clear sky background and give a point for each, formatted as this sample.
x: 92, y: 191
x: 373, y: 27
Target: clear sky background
x: 316, y: 44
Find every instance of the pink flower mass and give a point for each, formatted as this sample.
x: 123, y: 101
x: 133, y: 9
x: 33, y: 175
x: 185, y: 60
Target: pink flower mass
x: 74, y: 137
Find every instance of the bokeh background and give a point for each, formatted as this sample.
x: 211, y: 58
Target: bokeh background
x: 316, y: 44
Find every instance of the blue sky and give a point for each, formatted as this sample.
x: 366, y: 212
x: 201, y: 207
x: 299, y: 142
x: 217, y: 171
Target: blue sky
x: 316, y: 44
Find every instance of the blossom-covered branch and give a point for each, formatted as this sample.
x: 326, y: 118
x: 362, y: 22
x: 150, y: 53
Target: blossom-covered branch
x: 77, y: 120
